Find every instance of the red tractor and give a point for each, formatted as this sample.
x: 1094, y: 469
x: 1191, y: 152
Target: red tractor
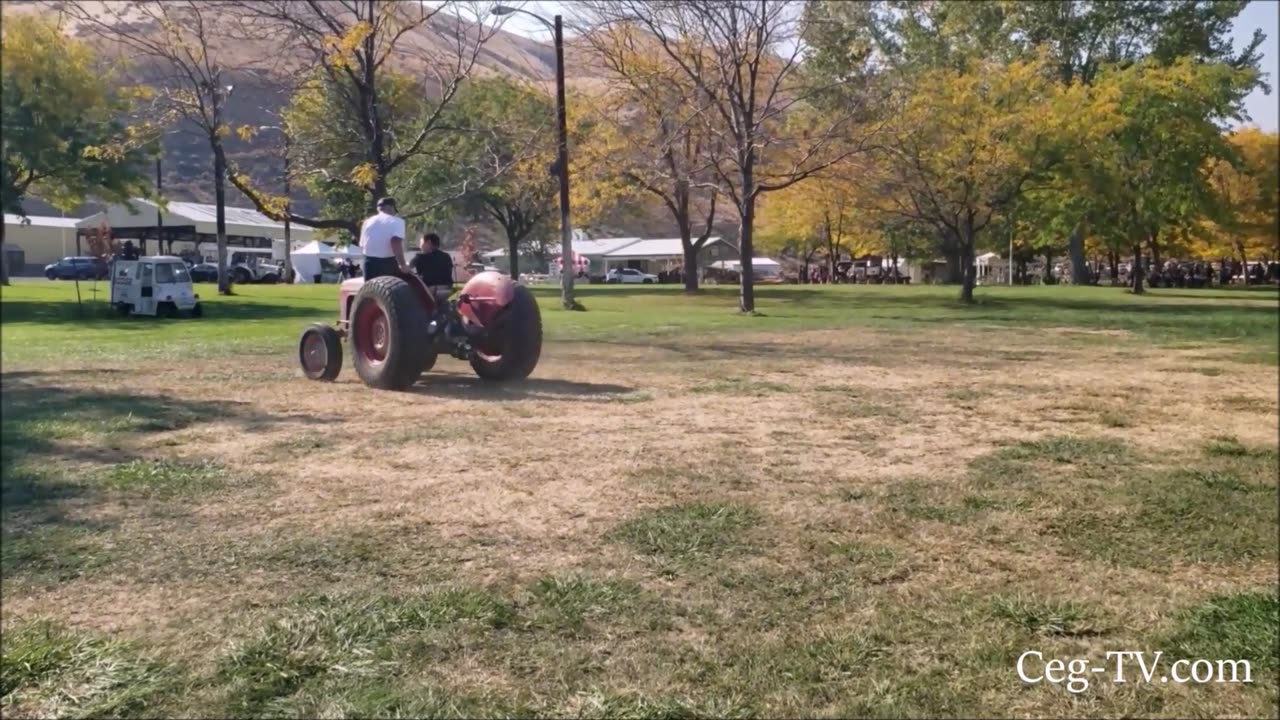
x: 396, y: 328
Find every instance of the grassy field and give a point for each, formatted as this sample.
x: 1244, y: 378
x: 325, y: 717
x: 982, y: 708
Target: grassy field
x: 868, y: 501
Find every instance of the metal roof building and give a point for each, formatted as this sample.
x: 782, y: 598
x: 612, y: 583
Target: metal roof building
x: 191, y: 224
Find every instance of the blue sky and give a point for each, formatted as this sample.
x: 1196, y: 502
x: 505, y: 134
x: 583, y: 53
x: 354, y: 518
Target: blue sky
x: 1264, y: 14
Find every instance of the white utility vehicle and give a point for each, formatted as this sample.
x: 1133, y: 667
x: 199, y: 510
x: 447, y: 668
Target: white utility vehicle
x: 157, y: 285
x: 253, y: 265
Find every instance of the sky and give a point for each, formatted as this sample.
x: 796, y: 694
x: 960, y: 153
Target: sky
x: 1264, y: 14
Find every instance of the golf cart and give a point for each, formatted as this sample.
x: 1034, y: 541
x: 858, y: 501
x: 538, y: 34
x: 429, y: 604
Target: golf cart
x: 155, y: 285
x: 396, y: 329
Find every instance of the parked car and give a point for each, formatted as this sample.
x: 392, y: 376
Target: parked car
x: 204, y: 272
x: 77, y: 268
x: 629, y: 275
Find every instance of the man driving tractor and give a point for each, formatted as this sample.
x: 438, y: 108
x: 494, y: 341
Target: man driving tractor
x: 382, y: 242
x: 434, y: 266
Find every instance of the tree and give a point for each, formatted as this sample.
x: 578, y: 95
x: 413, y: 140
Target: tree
x: 182, y: 71
x: 62, y: 136
x: 1247, y: 194
x: 970, y: 142
x: 648, y: 121
x: 820, y: 215
x: 512, y: 125
x: 1080, y: 38
x: 1146, y: 174
x: 380, y: 77
x: 742, y: 59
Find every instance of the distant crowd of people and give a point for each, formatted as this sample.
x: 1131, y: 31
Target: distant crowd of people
x: 1198, y: 274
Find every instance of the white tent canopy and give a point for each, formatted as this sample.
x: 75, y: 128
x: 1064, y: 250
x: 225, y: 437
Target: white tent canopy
x: 306, y: 260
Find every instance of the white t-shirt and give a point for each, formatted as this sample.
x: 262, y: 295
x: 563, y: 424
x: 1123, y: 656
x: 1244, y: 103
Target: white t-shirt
x: 376, y: 234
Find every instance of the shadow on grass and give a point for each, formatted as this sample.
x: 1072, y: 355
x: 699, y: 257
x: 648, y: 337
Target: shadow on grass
x: 470, y: 387
x: 42, y: 423
x: 46, y: 431
x: 98, y: 315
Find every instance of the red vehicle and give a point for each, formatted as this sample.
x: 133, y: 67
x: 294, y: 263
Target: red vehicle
x: 396, y: 329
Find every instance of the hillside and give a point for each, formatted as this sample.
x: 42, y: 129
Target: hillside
x: 187, y: 166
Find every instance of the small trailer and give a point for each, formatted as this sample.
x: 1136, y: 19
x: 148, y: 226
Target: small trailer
x: 156, y: 286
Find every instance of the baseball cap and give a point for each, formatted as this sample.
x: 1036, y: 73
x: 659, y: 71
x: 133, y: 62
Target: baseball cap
x: 386, y: 202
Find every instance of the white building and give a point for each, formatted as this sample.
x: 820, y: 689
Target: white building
x: 32, y: 242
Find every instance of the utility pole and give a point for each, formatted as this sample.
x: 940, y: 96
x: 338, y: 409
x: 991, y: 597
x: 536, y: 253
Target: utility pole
x: 220, y: 190
x: 568, y: 266
x: 159, y: 214
x: 288, y: 199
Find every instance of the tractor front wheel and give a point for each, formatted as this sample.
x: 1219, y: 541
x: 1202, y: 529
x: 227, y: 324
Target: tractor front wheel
x: 514, y: 344
x: 389, y: 343
x: 320, y: 352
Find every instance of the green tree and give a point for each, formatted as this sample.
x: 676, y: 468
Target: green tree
x: 512, y: 126
x: 378, y: 99
x: 1147, y: 174
x: 179, y: 49
x: 968, y: 143
x: 1079, y: 37
x: 1247, y: 190
x: 63, y: 140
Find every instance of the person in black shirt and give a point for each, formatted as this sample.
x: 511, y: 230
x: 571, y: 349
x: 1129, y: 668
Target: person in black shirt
x: 434, y: 266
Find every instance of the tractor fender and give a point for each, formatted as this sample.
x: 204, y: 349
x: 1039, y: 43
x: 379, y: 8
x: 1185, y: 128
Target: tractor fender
x: 348, y: 290
x: 490, y: 292
x: 346, y: 294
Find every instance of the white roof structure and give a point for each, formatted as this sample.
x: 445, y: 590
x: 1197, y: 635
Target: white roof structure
x: 602, y: 246
x: 756, y: 262
x: 657, y: 248
x: 41, y: 221
x: 240, y: 221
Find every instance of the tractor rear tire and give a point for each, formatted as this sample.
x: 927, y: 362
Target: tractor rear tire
x: 517, y: 335
x: 389, y: 343
x: 320, y: 352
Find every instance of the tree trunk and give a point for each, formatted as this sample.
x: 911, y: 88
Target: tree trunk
x: 1136, y: 272
x: 1244, y: 264
x: 513, y: 258
x: 969, y: 270
x: 1080, y: 274
x: 954, y: 273
x: 220, y: 198
x: 746, y: 229
x: 4, y: 259
x: 1152, y: 241
x: 690, y: 267
x: 1048, y: 269
x: 1113, y: 258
